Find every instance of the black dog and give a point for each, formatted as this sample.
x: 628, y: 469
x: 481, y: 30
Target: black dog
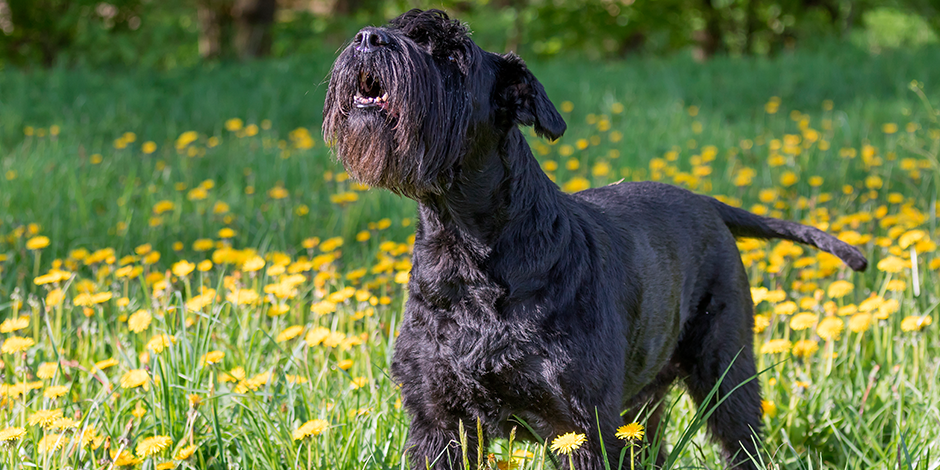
x: 526, y: 302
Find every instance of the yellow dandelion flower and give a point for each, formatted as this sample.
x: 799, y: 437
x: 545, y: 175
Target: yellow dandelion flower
x: 630, y: 432
x: 316, y: 336
x: 805, y: 348
x: 278, y: 309
x: 37, y: 242
x: 761, y: 322
x: 55, y: 391
x: 802, y: 321
x: 887, y: 308
x: 86, y: 299
x: 896, y: 285
x: 331, y: 244
x: 185, y: 139
x: 55, y: 297
x: 576, y: 184
x: 139, y: 321
x: 910, y: 237
x: 213, y: 357
x: 769, y: 408
x: 134, y: 378
x: 892, y: 264
x: 182, y: 268
x: 870, y: 304
x: 139, y: 411
x: 153, y: 445
x: 234, y: 124
x: 839, y: 289
x: 323, y: 307
x: 278, y: 192
x: 124, y: 459
x: 860, y: 322
x: 359, y: 382
x: 90, y: 438
x: 253, y: 263
x: 242, y: 297
x: 314, y: 427
x: 289, y: 333
x: 54, y: 275
x: 775, y: 346
x: 785, y: 308
x: 296, y: 379
x: 15, y: 344
x: 14, y: 324
x: 203, y: 244
x: 51, y: 443
x: 160, y: 342
x: 165, y: 466
x: 915, y: 322
x: 46, y: 370
x: 64, y: 424
x: 830, y: 328
x: 194, y: 400
x: 334, y: 339
x: 102, y: 365
x: 568, y: 443
x: 45, y: 418
x: 11, y: 434
x: 185, y: 452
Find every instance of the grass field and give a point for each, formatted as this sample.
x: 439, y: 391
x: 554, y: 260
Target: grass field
x: 188, y: 280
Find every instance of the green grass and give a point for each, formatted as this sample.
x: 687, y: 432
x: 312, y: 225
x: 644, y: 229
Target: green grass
x: 871, y: 406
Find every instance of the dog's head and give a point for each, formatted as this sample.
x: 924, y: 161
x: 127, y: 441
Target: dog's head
x: 409, y: 102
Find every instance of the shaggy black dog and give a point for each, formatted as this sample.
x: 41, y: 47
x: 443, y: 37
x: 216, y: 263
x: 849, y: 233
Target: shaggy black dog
x: 526, y: 303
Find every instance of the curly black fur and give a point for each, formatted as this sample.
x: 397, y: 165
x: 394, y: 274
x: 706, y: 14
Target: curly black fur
x: 525, y: 302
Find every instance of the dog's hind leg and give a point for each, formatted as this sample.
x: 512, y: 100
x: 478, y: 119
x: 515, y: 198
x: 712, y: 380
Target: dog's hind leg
x: 716, y: 353
x: 649, y: 404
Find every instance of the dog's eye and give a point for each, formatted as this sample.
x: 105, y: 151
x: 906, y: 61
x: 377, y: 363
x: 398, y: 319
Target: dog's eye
x: 452, y: 58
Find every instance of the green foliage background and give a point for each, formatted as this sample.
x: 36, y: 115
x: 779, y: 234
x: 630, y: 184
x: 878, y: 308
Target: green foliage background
x: 164, y: 34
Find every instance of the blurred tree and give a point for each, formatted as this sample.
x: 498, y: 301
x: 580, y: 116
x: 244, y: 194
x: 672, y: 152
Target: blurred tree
x: 928, y: 9
x: 235, y: 27
x: 612, y: 27
x: 39, y: 30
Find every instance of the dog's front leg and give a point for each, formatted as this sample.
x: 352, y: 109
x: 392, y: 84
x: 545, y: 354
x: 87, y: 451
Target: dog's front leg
x: 435, y: 448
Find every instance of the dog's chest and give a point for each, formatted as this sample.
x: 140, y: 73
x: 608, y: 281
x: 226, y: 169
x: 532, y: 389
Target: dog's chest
x: 478, y: 358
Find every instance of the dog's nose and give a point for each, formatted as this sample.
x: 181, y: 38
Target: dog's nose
x: 371, y: 39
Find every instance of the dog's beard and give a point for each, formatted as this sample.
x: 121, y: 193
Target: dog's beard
x: 387, y: 119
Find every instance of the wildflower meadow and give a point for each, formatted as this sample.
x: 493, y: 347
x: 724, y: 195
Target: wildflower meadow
x: 189, y: 280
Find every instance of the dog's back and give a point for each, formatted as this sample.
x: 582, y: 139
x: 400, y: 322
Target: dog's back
x: 657, y: 203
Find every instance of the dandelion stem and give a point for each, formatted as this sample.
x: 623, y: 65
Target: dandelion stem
x: 36, y: 261
x: 632, y: 458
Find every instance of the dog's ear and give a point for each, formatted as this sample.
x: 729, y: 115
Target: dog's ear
x: 522, y: 99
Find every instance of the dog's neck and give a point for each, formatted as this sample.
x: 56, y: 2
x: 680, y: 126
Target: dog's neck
x: 493, y: 189
x: 472, y: 242
x: 469, y: 240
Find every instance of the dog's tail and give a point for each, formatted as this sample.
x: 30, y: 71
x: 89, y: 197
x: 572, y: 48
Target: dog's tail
x: 745, y: 224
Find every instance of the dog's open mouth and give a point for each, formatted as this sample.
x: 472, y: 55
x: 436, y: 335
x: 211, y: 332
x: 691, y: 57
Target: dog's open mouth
x: 370, y: 94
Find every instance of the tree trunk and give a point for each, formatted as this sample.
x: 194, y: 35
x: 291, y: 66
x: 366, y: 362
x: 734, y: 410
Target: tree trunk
x: 212, y: 18
x: 708, y: 39
x: 750, y: 26
x: 253, y: 21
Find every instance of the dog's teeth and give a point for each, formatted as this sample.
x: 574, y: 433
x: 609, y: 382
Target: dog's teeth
x: 385, y: 96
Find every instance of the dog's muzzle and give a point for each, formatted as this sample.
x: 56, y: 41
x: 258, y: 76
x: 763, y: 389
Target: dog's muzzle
x: 370, y: 93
